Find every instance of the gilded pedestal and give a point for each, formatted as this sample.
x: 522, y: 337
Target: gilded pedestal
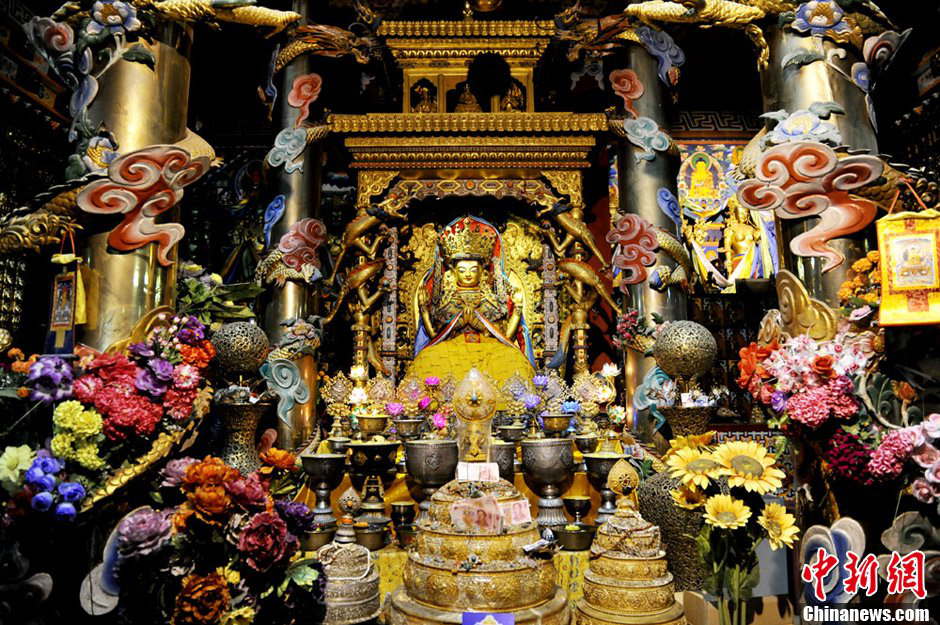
x: 628, y: 580
x: 450, y: 571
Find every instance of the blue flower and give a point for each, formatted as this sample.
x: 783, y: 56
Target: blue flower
x: 48, y: 464
x: 71, y: 491
x: 41, y: 501
x: 571, y: 407
x: 114, y: 15
x: 820, y: 17
x: 65, y: 512
x: 33, y: 474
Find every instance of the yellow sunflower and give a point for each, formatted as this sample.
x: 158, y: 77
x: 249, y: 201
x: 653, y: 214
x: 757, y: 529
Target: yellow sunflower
x: 693, y: 441
x: 688, y: 498
x: 748, y: 464
x: 726, y: 511
x: 780, y: 525
x: 693, y: 466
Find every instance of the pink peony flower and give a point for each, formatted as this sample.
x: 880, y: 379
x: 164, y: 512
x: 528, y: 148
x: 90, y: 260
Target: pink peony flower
x: 248, y: 492
x: 887, y: 461
x: 174, y: 471
x: 931, y: 425
x: 933, y: 473
x: 424, y: 402
x: 925, y: 455
x: 439, y: 420
x: 185, y: 377
x: 809, y: 407
x: 395, y: 408
x: 922, y: 490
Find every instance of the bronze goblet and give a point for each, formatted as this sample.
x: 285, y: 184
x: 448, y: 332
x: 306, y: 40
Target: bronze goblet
x: 325, y: 472
x: 577, y: 506
x: 549, y: 469
x: 599, y: 465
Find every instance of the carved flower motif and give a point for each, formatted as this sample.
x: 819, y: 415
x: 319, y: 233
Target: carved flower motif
x: 821, y: 17
x: 303, y: 93
x: 635, y: 244
x: 113, y: 15
x: 628, y: 86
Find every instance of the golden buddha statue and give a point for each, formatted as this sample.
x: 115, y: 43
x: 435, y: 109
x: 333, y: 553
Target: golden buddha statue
x: 741, y: 241
x: 468, y: 314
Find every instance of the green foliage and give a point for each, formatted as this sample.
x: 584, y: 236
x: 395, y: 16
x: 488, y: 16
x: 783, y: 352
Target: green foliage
x: 139, y: 53
x: 216, y: 303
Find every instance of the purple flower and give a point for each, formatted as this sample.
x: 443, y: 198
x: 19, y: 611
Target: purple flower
x: 72, y: 491
x: 41, y: 501
x: 147, y: 382
x: 33, y: 474
x: 50, y: 379
x: 531, y: 401
x: 143, y: 532
x: 432, y: 380
x: 439, y: 420
x: 141, y: 350
x: 192, y: 332
x: 297, y: 515
x: 65, y: 511
x: 424, y: 402
x: 540, y: 381
x: 778, y: 401
x: 395, y: 408
x: 162, y: 369
x: 174, y: 471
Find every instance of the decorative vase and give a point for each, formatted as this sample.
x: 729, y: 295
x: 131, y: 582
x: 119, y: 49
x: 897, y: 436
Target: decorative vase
x: 240, y: 422
x: 688, y: 420
x: 679, y: 529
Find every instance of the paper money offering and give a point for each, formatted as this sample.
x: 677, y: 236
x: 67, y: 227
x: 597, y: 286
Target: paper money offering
x: 479, y: 514
x: 478, y: 471
x: 515, y: 512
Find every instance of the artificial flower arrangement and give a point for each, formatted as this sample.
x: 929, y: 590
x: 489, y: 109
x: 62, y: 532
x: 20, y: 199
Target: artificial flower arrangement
x: 429, y: 399
x: 203, y: 295
x: 115, y: 413
x: 636, y: 332
x: 727, y: 484
x: 860, y: 295
x: 222, y: 550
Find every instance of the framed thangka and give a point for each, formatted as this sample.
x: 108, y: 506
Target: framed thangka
x: 909, y: 244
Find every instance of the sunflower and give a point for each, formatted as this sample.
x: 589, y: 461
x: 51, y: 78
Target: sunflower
x: 726, y: 511
x: 780, y: 525
x: 693, y: 467
x: 748, y: 464
x: 688, y: 498
x: 692, y: 441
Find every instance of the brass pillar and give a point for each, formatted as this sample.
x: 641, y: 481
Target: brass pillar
x: 640, y: 182
x: 793, y: 89
x: 301, y: 191
x: 141, y: 107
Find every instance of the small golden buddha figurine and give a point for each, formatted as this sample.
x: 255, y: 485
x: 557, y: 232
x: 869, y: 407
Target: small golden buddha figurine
x: 466, y: 101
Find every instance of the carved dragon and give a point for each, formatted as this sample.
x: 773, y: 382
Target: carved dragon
x: 234, y: 11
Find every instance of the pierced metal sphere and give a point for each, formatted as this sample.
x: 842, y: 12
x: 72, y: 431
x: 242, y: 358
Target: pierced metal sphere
x: 685, y: 349
x: 241, y: 347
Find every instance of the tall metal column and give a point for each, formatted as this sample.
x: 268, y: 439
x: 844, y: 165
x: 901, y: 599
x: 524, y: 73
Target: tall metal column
x: 141, y: 107
x: 640, y: 182
x: 793, y: 89
x: 301, y: 191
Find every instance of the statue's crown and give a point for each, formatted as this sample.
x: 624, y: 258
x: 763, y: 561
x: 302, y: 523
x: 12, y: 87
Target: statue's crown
x: 468, y: 238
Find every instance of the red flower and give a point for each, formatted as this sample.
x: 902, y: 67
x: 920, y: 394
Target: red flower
x: 822, y: 365
x: 86, y: 388
x: 112, y: 393
x: 265, y: 541
x: 197, y: 355
x: 134, y: 414
x: 752, y: 363
x: 113, y: 368
x: 179, y: 403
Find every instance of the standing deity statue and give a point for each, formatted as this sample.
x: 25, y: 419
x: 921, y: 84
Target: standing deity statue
x: 468, y: 313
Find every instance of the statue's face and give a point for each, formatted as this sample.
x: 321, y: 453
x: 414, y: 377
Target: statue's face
x: 468, y: 272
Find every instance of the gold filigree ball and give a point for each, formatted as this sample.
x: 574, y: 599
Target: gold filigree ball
x: 241, y: 347
x: 685, y: 349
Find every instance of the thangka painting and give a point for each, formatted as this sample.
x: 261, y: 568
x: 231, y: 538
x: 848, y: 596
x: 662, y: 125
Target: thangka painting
x: 910, y: 268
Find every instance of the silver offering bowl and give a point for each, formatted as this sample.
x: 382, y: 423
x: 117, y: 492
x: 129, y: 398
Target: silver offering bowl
x: 599, y: 465
x: 504, y: 454
x: 586, y: 444
x: 325, y: 472
x: 431, y: 463
x: 408, y: 429
x: 371, y: 467
x: 549, y: 468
